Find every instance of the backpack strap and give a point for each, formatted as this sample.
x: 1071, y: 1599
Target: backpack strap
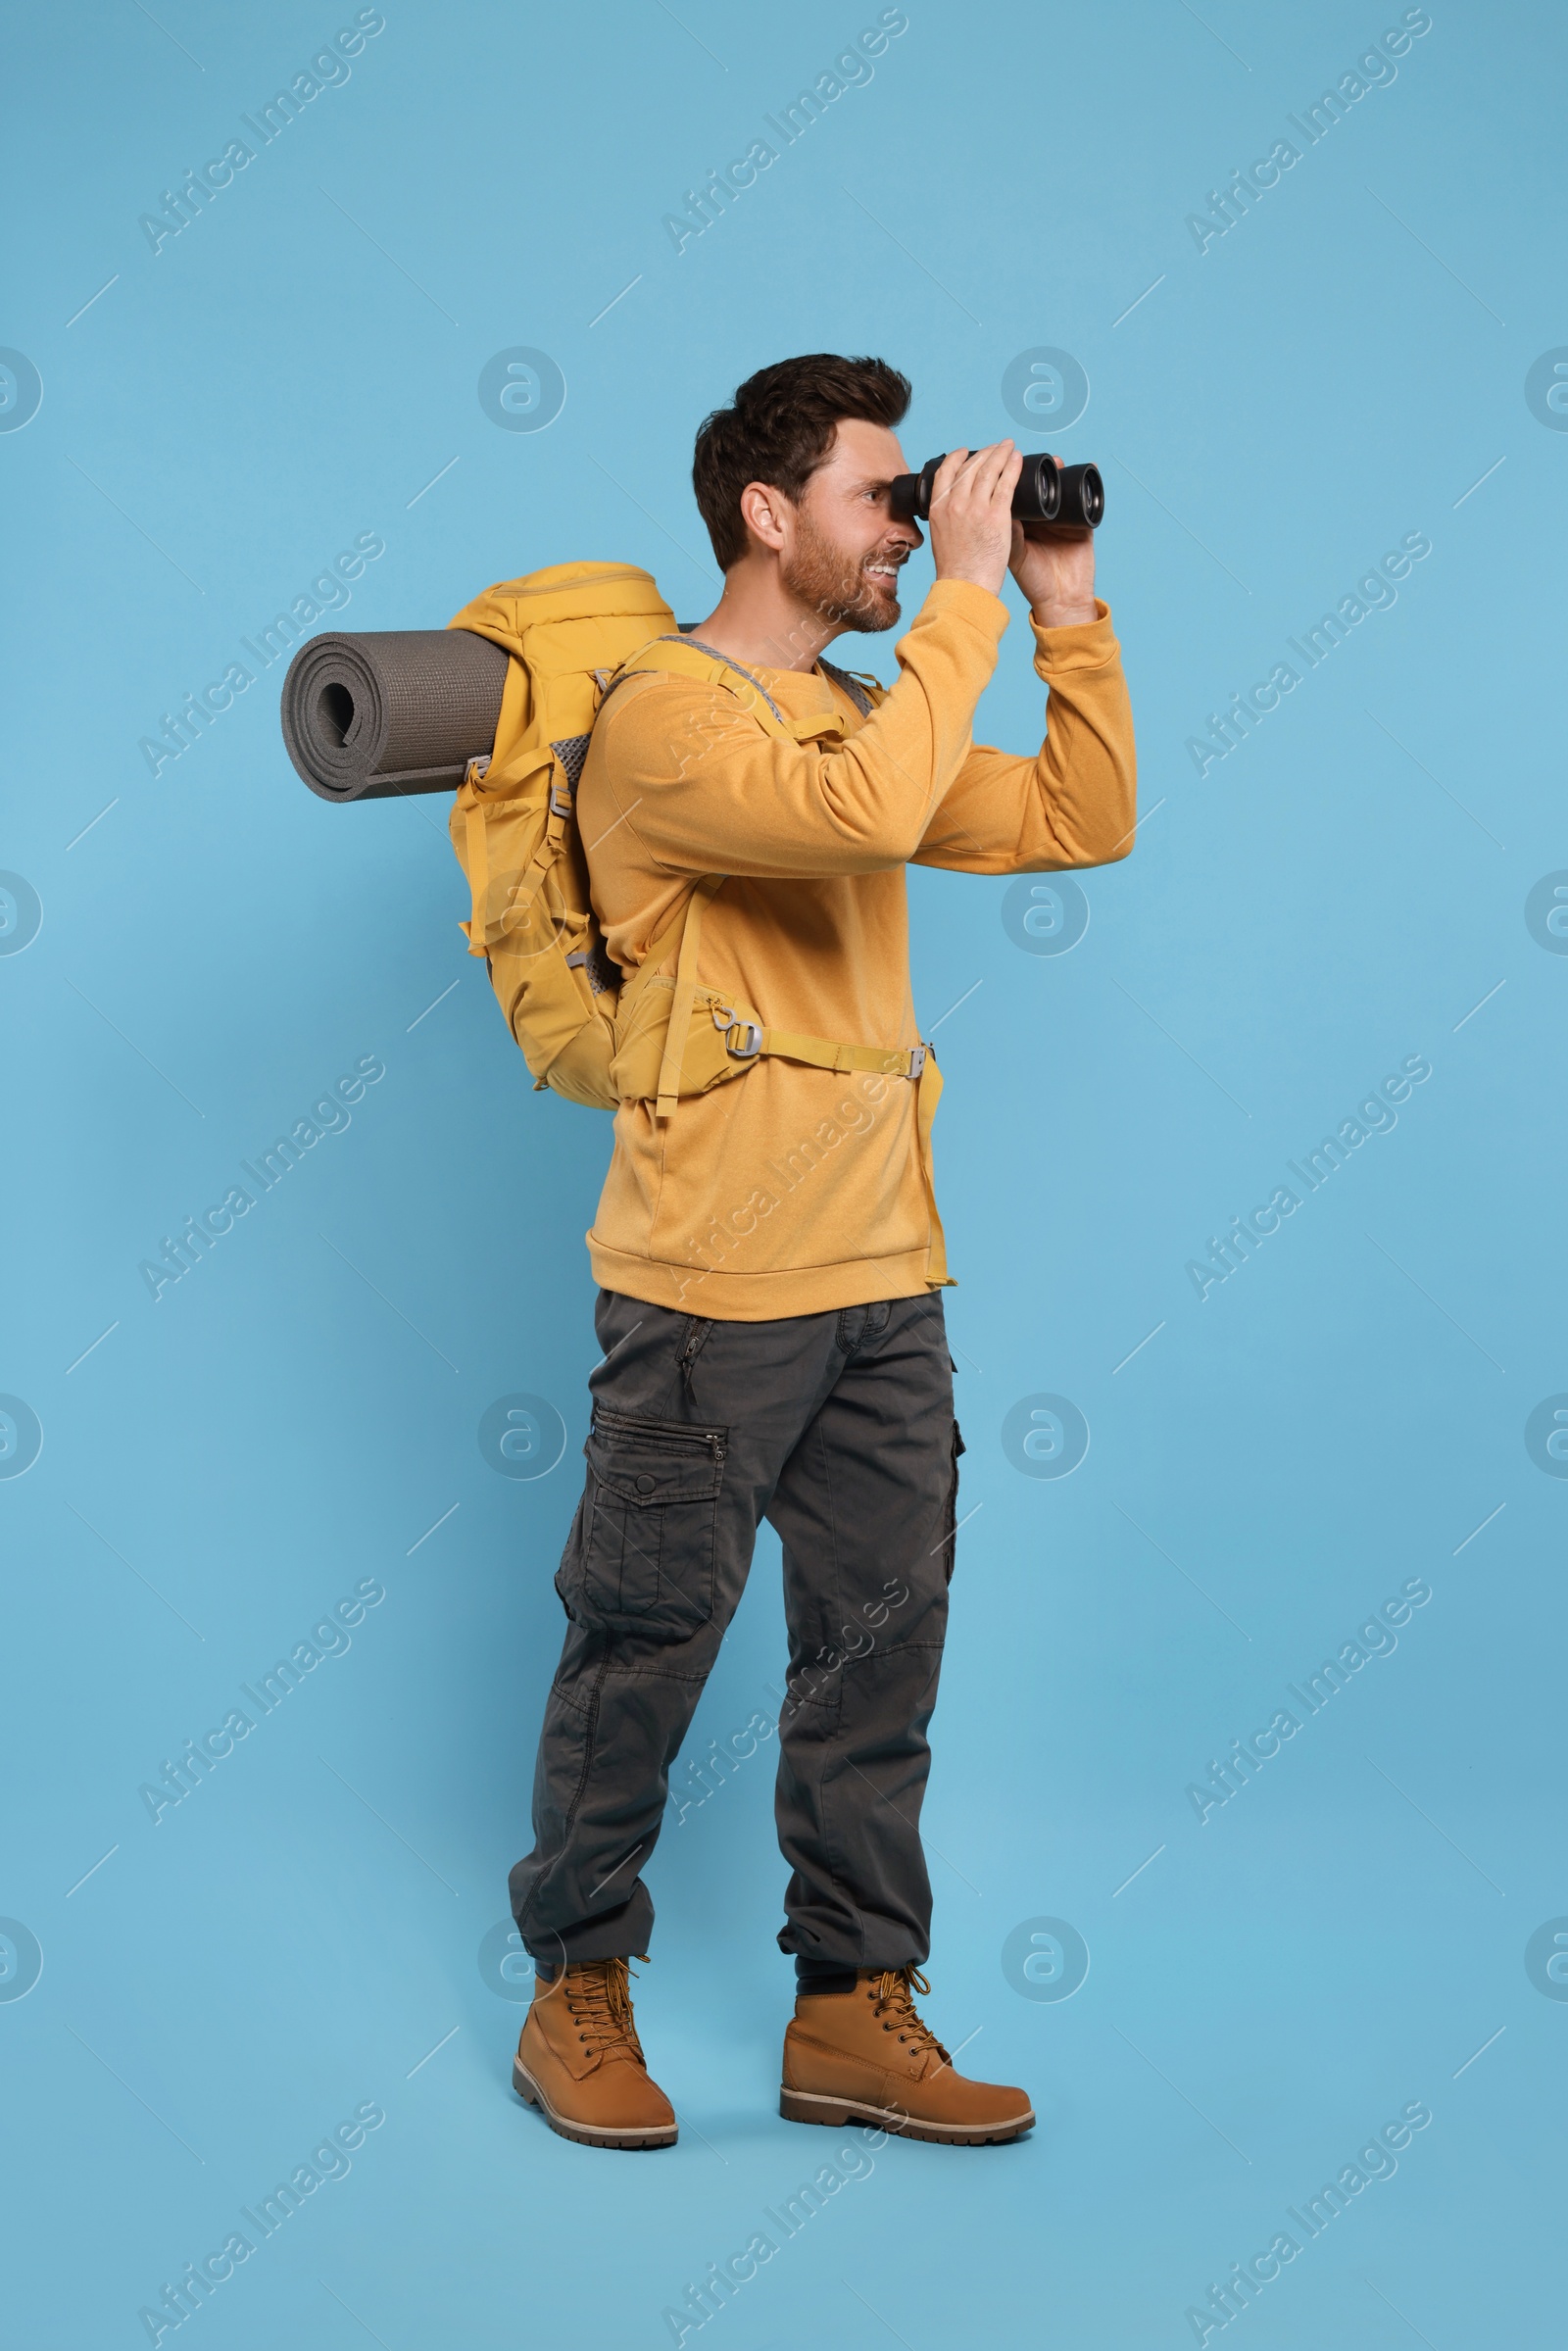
x: 477, y: 861
x: 848, y: 684
x: 690, y: 657
x: 746, y: 1040
x: 680, y: 1008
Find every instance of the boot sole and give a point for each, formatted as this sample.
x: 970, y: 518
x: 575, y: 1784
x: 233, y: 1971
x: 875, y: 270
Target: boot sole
x: 588, y: 2134
x: 805, y: 2106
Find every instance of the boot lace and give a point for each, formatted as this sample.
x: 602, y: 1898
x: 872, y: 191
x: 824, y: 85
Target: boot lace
x: 893, y: 1993
x: 597, y: 1994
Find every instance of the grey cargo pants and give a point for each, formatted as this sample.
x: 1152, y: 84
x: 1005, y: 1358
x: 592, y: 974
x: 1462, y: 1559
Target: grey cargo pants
x: 838, y: 1428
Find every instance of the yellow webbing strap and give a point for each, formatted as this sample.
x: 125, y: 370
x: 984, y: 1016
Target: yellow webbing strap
x: 927, y: 1096
x: 824, y: 1054
x: 686, y: 656
x: 646, y: 970
x: 478, y: 864
x: 820, y: 722
x: 552, y: 839
x: 689, y: 657
x: 920, y: 1063
x: 680, y: 1009
x: 472, y: 804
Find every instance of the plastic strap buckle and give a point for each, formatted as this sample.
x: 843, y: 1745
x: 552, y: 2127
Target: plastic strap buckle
x: 917, y: 1054
x: 478, y: 769
x: 560, y: 801
x: 750, y: 1040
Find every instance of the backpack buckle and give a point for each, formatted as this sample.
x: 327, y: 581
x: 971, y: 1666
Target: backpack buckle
x: 743, y: 1040
x: 478, y: 769
x: 917, y: 1054
x: 560, y: 801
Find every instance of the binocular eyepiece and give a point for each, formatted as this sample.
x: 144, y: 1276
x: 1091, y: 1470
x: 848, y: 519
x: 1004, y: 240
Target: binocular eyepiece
x: 1046, y: 492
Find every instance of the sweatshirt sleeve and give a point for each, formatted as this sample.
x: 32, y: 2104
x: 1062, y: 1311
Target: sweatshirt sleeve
x: 1073, y: 805
x: 704, y: 790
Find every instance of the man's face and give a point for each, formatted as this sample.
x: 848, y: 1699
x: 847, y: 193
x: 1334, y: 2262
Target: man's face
x: 843, y: 546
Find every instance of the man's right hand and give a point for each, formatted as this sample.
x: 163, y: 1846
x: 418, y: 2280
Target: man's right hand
x: 971, y: 514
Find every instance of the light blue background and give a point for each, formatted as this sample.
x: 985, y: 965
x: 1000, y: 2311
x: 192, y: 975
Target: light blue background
x: 297, y: 1934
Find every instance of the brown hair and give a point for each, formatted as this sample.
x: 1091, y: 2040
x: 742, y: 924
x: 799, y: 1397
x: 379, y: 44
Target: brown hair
x: 780, y: 429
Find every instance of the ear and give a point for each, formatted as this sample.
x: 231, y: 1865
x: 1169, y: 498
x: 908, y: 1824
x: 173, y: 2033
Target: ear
x: 763, y: 511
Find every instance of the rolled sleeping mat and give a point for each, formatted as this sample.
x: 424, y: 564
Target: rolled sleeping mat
x: 391, y: 711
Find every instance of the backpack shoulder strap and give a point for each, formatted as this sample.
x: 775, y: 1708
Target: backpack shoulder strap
x: 853, y: 683
x: 680, y: 1009
x: 689, y: 657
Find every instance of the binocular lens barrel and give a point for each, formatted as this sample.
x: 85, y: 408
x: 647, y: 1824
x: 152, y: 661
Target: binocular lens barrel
x: 1046, y: 492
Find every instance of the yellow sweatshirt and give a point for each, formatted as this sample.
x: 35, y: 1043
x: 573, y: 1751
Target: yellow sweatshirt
x: 791, y: 1189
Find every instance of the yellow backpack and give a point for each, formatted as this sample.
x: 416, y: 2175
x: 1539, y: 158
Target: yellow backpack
x: 576, y: 631
x: 514, y: 825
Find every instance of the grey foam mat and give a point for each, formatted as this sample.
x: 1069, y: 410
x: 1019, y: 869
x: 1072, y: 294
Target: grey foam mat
x: 391, y: 711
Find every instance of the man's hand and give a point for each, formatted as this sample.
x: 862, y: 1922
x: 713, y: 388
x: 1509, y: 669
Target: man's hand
x: 972, y: 529
x: 1054, y: 563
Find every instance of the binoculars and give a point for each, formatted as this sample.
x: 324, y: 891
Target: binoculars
x: 1046, y: 492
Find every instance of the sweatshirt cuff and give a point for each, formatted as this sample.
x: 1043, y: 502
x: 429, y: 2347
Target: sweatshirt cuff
x: 1084, y: 645
x: 966, y: 602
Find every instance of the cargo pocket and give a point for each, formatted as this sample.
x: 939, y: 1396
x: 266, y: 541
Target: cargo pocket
x: 950, y: 1546
x: 646, y: 1546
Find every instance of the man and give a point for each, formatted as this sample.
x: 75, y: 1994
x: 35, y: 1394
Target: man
x: 769, y: 1256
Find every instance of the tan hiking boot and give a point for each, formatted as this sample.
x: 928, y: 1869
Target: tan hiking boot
x: 865, y: 2057
x: 580, y: 2062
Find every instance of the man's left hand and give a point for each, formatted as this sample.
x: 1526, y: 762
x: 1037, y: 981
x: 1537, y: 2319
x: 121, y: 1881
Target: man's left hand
x: 1054, y: 563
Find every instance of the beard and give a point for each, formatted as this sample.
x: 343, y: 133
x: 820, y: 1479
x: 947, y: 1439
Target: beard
x: 835, y: 584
